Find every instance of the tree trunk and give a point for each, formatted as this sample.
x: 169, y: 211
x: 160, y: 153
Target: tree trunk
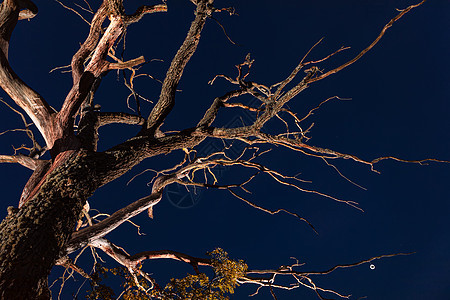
x: 33, y: 237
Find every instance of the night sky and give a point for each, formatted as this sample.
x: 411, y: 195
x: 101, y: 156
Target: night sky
x: 399, y: 107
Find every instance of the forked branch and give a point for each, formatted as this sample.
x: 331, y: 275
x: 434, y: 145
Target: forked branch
x: 261, y: 278
x: 383, y: 31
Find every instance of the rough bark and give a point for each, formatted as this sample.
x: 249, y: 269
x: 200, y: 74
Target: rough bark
x: 33, y: 237
x: 40, y: 232
x: 166, y: 99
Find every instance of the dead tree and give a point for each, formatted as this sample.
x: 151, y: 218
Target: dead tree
x: 45, y: 227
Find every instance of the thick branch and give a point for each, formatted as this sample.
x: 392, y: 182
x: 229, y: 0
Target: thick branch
x: 168, y: 254
x: 89, y: 44
x: 105, y: 118
x: 84, y: 78
x: 143, y: 10
x: 25, y: 97
x: 132, y: 261
x: 133, y: 151
x: 126, y: 64
x: 167, y: 97
x: 90, y: 234
x: 25, y: 161
x: 95, y: 68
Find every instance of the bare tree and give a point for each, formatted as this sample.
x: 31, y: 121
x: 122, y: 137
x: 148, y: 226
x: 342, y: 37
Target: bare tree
x: 52, y: 219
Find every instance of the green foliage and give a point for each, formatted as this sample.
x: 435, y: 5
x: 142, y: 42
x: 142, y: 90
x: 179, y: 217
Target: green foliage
x: 194, y: 287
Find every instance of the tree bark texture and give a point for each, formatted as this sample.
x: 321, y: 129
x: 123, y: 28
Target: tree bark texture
x: 34, y: 237
x: 41, y: 231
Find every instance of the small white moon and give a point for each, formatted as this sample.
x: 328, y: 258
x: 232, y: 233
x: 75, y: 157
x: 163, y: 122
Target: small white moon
x: 372, y: 267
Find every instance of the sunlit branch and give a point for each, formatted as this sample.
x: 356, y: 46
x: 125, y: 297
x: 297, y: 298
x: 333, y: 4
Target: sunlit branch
x: 25, y: 97
x: 302, y: 278
x: 25, y: 161
x: 89, y: 44
x: 383, y: 31
x: 89, y: 234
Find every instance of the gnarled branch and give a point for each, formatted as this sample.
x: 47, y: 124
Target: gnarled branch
x: 167, y: 96
x: 24, y: 96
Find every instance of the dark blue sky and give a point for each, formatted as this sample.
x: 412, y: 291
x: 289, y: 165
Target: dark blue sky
x: 399, y: 107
